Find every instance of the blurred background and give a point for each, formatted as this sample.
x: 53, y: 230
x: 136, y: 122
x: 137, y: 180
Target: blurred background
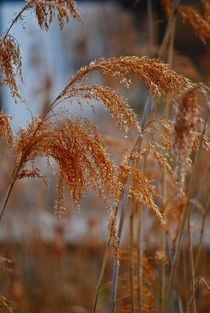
x: 44, y: 260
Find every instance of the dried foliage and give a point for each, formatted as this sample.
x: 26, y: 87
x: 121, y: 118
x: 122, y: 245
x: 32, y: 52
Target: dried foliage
x: 185, y: 131
x: 82, y: 161
x: 10, y: 63
x: 200, y: 24
x: 79, y: 152
x: 5, y: 129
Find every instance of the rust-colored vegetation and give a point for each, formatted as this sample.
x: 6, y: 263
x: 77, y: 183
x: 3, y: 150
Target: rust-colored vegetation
x: 155, y: 193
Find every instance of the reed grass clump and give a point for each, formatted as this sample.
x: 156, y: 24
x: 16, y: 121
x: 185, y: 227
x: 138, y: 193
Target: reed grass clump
x: 156, y: 175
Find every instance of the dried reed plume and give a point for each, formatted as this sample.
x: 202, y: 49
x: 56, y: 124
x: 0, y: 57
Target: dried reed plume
x: 5, y: 304
x: 10, y: 63
x: 123, y: 115
x: 185, y: 132
x: 158, y: 77
x: 143, y: 191
x: 5, y: 129
x: 46, y: 10
x: 200, y: 24
x: 79, y: 152
x: 113, y: 233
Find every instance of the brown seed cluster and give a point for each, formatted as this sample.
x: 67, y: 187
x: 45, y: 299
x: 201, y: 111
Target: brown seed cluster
x: 10, y: 63
x: 114, y: 235
x: 46, y: 10
x: 78, y: 150
x: 143, y: 191
x: 158, y: 77
x: 10, y: 56
x: 185, y: 132
x: 5, y: 304
x: 5, y: 129
x: 200, y: 24
x: 123, y: 115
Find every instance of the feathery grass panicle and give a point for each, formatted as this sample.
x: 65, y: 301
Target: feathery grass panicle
x: 200, y: 24
x: 157, y: 155
x: 123, y: 115
x: 46, y: 10
x: 158, y: 77
x: 10, y: 56
x: 161, y: 132
x: 34, y: 172
x: 143, y: 191
x: 112, y: 226
x: 5, y: 304
x: 78, y: 150
x: 6, y: 129
x: 60, y: 197
x: 10, y: 63
x: 185, y: 132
